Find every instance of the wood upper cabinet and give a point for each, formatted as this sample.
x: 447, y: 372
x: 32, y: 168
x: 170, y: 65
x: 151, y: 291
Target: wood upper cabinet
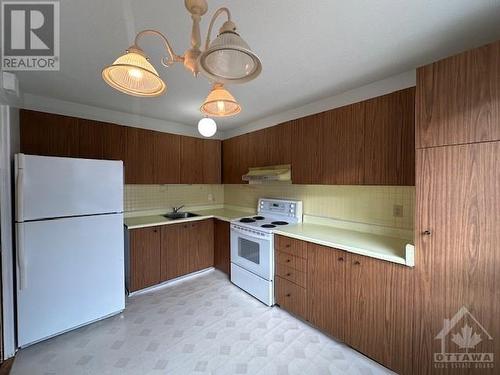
x: 139, y: 161
x: 200, y: 161
x: 145, y: 267
x: 458, y: 262
x: 389, y: 146
x: 326, y: 289
x: 222, y: 246
x: 380, y: 309
x: 343, y: 146
x: 113, y: 141
x: 167, y: 161
x: 48, y: 134
x: 458, y: 99
x: 91, y: 140
x: 269, y: 146
x: 235, y: 159
x: 307, y: 158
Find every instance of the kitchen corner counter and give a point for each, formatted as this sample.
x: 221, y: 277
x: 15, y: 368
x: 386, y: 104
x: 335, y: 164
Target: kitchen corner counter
x: 225, y: 214
x: 391, y: 249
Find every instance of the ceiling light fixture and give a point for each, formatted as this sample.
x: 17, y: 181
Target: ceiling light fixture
x: 207, y: 127
x: 220, y: 103
x: 228, y: 59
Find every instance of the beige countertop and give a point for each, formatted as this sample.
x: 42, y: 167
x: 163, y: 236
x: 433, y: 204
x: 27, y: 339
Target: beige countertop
x: 226, y: 214
x: 391, y: 249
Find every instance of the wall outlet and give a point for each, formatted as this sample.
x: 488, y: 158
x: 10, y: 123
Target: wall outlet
x: 210, y: 197
x: 397, y: 210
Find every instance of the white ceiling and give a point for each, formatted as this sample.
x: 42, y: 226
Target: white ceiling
x: 309, y: 49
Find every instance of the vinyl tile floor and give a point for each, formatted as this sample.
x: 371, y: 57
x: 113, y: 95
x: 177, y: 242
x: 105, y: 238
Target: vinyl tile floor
x: 200, y: 325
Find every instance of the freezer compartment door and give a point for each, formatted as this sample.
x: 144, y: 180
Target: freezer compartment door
x: 70, y: 272
x: 51, y: 187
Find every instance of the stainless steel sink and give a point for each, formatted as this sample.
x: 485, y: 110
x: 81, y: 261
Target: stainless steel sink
x: 179, y: 215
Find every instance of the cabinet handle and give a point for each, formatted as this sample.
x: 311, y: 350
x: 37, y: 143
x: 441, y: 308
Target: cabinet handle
x: 288, y: 260
x: 288, y: 245
x: 289, y: 274
x: 155, y: 231
x: 288, y: 295
x: 427, y: 232
x: 357, y: 263
x: 185, y: 226
x: 341, y: 259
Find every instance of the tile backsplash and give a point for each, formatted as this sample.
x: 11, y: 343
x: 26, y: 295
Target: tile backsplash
x: 375, y: 205
x: 152, y: 197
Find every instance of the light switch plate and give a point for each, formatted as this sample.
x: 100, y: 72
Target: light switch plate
x: 397, y: 210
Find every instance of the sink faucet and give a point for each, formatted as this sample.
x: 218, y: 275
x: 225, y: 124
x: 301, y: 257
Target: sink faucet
x: 176, y: 209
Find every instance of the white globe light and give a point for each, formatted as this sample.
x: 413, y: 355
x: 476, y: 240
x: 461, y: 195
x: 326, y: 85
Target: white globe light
x: 207, y: 127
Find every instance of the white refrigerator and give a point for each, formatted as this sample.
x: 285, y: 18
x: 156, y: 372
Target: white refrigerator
x: 70, y: 245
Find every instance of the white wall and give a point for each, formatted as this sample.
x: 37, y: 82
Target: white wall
x: 9, y: 145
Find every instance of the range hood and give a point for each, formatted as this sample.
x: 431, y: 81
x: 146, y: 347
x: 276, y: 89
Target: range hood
x: 270, y: 174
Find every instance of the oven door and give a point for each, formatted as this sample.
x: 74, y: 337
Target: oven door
x: 253, y: 252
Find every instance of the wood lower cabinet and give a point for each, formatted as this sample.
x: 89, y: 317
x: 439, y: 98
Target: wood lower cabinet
x: 380, y: 310
x: 290, y: 296
x: 144, y: 253
x: 222, y: 246
x: 174, y: 260
x: 327, y: 304
x: 203, y: 244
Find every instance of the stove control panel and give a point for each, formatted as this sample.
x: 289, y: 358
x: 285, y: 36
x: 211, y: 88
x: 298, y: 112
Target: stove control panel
x: 281, y: 207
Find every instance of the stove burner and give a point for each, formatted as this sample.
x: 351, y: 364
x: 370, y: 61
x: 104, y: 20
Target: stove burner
x: 247, y: 220
x: 259, y: 217
x: 268, y: 226
x: 279, y: 223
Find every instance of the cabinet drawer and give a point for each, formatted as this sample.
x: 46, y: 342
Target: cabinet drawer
x: 291, y: 297
x: 291, y: 246
x: 291, y: 261
x: 291, y: 274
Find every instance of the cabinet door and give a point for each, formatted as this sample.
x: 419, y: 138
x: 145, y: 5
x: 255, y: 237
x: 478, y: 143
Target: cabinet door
x: 222, y: 249
x: 279, y: 144
x: 90, y: 139
x: 290, y: 296
x: 342, y: 145
x: 145, y: 269
x: 458, y: 262
x: 48, y: 134
x: 211, y: 161
x: 307, y: 164
x: 202, y: 239
x: 174, y: 255
x: 167, y: 158
x: 389, y: 146
x: 191, y: 160
x: 140, y: 156
x: 326, y: 299
x: 113, y: 141
x: 458, y: 99
x: 380, y: 311
x: 235, y: 159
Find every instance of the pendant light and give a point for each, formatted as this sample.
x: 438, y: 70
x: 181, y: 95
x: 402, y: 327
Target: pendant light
x: 207, y: 127
x: 228, y: 59
x: 220, y: 103
x: 132, y: 74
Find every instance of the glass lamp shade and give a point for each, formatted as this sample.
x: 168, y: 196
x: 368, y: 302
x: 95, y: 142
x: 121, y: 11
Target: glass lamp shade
x: 207, y: 127
x: 220, y: 103
x: 230, y: 60
x: 132, y: 74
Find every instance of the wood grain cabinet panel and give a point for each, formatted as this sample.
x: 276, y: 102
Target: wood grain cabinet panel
x: 458, y: 99
x: 458, y: 263
x: 140, y: 156
x: 212, y: 161
x: 90, y: 139
x: 222, y: 246
x: 326, y: 289
x: 167, y: 160
x: 145, y: 267
x: 291, y: 246
x: 203, y: 245
x: 380, y: 308
x: 114, y: 139
x: 175, y: 254
x: 308, y: 163
x: 342, y: 145
x: 290, y: 296
x: 200, y: 161
x: 48, y: 134
x: 235, y: 159
x: 389, y: 146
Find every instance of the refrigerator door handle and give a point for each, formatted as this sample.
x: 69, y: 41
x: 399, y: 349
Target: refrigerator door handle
x: 21, y: 258
x: 19, y: 195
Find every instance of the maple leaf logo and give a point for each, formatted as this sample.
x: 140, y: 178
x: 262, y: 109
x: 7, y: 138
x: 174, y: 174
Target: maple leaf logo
x: 467, y: 339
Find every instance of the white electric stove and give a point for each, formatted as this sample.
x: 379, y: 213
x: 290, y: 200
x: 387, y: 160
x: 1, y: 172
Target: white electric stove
x: 252, y: 246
